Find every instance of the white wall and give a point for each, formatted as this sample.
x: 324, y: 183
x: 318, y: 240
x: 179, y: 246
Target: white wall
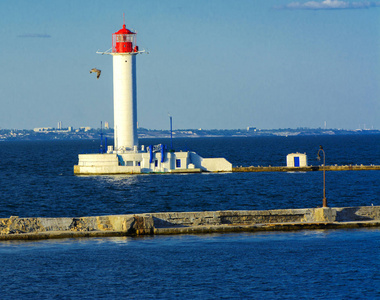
x: 211, y: 164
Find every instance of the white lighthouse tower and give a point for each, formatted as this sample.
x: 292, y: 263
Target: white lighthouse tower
x: 126, y: 157
x: 124, y: 52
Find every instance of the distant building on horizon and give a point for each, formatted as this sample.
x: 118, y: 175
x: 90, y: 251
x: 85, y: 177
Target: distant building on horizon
x: 42, y: 129
x: 85, y: 128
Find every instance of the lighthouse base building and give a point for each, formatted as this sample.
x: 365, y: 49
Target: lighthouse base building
x: 148, y: 162
x: 126, y: 157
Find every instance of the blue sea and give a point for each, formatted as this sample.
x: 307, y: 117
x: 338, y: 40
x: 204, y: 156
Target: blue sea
x: 36, y: 180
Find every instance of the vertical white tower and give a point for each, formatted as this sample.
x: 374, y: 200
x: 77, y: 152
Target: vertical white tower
x: 124, y: 51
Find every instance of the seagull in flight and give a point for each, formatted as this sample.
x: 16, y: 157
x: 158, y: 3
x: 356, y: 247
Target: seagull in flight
x: 94, y: 70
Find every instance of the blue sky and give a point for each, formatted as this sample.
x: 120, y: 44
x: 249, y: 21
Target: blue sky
x: 217, y: 64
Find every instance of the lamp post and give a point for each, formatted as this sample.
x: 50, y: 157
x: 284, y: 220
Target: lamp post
x: 324, y: 174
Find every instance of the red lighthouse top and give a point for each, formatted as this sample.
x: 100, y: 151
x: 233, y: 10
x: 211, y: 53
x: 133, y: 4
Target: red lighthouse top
x: 124, y: 41
x: 124, y: 31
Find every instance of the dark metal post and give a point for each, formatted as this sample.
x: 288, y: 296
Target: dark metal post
x: 171, y: 133
x: 324, y: 201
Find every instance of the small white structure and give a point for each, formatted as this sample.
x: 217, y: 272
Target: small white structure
x: 125, y: 157
x: 296, y: 160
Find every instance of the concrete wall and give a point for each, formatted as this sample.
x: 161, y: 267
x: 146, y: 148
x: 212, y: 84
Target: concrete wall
x: 245, y: 217
x: 360, y: 213
x: 242, y: 217
x: 189, y: 222
x: 306, y: 169
x: 210, y: 164
x: 97, y: 160
x: 101, y: 170
x: 93, y: 164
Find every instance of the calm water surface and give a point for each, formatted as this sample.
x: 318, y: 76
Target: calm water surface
x: 36, y: 180
x: 301, y: 265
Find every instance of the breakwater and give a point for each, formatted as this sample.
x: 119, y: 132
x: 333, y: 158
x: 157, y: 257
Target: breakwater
x: 306, y: 169
x: 165, y: 223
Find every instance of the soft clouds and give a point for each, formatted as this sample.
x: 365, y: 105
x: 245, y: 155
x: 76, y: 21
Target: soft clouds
x: 34, y: 35
x: 330, y: 4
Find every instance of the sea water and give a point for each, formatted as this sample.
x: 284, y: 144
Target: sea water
x: 36, y: 180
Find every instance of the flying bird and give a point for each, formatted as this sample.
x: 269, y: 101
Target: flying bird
x: 94, y: 70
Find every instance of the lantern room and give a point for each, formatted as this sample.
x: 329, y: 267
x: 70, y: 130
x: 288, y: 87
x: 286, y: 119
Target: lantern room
x: 124, y: 41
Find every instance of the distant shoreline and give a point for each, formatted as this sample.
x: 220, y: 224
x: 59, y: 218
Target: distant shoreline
x: 90, y: 133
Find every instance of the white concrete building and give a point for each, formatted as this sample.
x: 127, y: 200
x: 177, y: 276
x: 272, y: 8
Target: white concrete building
x: 296, y: 160
x: 126, y: 157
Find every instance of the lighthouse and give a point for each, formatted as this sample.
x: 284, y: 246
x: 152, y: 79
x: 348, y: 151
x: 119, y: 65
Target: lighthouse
x: 125, y: 157
x: 124, y: 53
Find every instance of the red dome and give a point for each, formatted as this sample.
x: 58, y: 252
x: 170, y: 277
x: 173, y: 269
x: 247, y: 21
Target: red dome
x: 124, y: 31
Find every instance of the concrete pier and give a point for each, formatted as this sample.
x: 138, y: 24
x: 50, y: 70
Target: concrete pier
x: 168, y: 223
x: 306, y: 169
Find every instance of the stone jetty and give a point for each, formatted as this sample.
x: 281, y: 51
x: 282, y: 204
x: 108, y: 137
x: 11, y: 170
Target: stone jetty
x: 169, y: 223
x: 306, y: 169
